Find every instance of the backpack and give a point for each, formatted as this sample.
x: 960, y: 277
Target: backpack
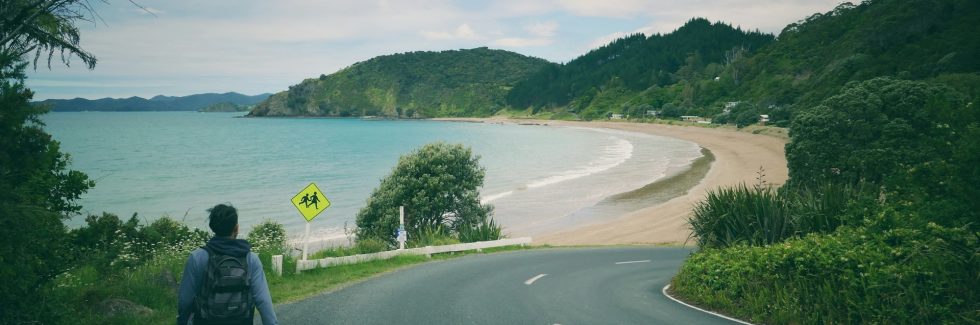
x: 225, y: 296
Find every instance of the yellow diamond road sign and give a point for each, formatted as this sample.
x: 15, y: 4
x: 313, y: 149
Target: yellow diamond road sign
x: 310, y: 202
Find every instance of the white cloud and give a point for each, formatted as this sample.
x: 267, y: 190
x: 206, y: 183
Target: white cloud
x: 522, y: 42
x: 463, y: 32
x: 542, y: 29
x: 256, y: 46
x: 607, y: 8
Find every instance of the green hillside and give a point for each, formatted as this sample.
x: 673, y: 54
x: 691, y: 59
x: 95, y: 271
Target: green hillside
x: 702, y: 68
x: 933, y: 40
x: 418, y: 84
x: 631, y: 73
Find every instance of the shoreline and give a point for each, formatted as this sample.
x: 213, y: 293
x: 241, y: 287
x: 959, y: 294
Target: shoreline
x: 737, y: 159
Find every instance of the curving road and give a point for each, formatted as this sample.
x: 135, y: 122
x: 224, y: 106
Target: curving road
x: 618, y: 285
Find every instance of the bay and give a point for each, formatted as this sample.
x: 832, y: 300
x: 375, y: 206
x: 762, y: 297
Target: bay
x: 179, y: 164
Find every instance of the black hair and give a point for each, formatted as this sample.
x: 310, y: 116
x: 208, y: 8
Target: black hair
x: 222, y: 219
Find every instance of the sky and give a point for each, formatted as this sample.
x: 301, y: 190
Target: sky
x: 184, y: 47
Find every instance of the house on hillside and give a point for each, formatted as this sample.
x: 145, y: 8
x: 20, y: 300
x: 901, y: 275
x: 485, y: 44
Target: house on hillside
x: 616, y: 116
x: 730, y: 105
x: 763, y: 119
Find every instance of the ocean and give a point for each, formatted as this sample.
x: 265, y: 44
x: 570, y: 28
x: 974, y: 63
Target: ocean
x: 179, y: 164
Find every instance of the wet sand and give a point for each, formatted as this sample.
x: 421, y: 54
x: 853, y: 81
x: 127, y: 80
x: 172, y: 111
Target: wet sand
x: 737, y: 159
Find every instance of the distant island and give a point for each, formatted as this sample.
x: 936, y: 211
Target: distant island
x: 196, y: 102
x: 226, y: 107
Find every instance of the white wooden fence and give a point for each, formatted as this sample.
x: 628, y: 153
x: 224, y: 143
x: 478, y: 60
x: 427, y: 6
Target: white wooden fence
x: 427, y: 251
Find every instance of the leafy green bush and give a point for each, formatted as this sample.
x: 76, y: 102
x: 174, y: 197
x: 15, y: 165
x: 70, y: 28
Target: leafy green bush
x: 855, y: 275
x: 437, y: 184
x: 268, y: 237
x: 110, y: 244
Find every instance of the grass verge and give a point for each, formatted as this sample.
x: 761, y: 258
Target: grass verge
x: 152, y: 286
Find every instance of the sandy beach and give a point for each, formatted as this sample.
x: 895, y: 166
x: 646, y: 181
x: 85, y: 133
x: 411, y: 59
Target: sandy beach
x: 738, y: 157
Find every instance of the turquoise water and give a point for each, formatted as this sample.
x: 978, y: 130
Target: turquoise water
x: 181, y: 163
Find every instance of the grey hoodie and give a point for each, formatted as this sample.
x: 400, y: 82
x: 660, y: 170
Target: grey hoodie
x: 194, y: 276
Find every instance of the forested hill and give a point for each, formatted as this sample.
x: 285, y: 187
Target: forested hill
x: 933, y: 40
x: 636, y: 63
x: 702, y: 68
x: 470, y: 82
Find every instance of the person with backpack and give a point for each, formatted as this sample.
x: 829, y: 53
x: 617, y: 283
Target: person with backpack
x: 223, y: 282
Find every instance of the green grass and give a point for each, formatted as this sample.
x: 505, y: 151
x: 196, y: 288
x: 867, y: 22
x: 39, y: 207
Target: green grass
x: 80, y: 293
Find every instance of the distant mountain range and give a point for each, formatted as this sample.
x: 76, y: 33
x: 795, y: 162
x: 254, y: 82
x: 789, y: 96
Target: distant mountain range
x: 157, y: 103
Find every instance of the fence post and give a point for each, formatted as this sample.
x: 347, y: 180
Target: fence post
x: 277, y: 264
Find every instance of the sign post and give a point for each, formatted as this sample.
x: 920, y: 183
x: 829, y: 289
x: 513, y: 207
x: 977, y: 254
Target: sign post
x: 310, y: 202
x: 402, y: 235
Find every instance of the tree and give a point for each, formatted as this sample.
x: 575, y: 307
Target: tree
x: 37, y: 190
x: 438, y: 186
x: 44, y: 27
x: 915, y: 139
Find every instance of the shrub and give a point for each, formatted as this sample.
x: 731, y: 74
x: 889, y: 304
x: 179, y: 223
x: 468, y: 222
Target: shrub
x: 268, y: 237
x: 761, y: 215
x: 437, y: 184
x: 729, y: 216
x: 109, y: 244
x: 855, y: 275
x: 484, y: 231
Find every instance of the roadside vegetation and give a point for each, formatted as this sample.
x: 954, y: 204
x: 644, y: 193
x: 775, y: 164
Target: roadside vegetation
x: 127, y: 272
x: 878, y: 223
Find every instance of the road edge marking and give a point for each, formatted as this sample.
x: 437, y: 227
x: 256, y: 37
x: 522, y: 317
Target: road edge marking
x: 632, y: 262
x: 531, y: 280
x: 664, y: 291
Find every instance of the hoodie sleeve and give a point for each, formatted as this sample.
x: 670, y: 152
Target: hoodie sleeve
x: 189, y: 283
x: 260, y: 291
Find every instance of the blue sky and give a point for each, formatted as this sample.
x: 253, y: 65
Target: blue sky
x: 187, y: 47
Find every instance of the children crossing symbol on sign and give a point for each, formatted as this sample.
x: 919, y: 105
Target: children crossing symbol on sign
x: 310, y: 202
x: 307, y: 200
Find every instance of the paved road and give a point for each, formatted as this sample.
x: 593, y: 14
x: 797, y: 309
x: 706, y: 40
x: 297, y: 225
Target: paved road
x: 582, y: 286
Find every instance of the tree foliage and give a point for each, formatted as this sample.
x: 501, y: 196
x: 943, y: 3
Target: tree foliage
x: 438, y: 185
x: 916, y: 139
x: 638, y: 62
x: 814, y: 57
x: 37, y: 190
x: 44, y: 28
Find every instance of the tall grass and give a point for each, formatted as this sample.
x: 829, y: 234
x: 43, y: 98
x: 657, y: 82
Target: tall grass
x: 730, y: 216
x: 761, y: 215
x: 484, y: 231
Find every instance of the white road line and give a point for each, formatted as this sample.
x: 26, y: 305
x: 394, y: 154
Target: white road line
x: 631, y: 262
x: 531, y: 280
x: 664, y: 291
